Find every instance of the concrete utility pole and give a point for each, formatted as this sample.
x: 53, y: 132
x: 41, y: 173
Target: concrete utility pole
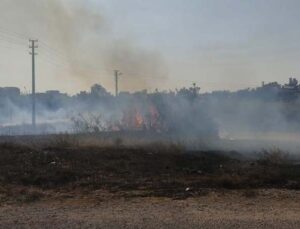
x: 117, y: 74
x: 33, y: 46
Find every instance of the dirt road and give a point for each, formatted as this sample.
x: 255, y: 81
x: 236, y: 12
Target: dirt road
x: 270, y: 209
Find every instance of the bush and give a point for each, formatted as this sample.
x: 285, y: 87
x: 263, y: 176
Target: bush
x: 273, y: 157
x: 64, y: 141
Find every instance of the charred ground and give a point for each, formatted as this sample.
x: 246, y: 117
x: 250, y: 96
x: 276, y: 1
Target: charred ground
x: 155, y: 169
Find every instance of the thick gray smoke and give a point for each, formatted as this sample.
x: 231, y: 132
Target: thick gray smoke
x: 86, y: 42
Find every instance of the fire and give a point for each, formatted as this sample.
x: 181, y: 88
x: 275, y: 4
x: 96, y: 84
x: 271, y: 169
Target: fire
x: 142, y: 118
x: 139, y: 121
x: 153, y: 118
x: 132, y: 119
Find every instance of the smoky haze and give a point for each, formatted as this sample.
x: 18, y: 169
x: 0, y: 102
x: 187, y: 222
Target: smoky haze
x: 79, y: 46
x: 79, y: 43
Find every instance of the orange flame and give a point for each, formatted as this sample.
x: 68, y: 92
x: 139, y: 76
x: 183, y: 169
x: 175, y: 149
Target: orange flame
x: 135, y: 119
x: 139, y: 121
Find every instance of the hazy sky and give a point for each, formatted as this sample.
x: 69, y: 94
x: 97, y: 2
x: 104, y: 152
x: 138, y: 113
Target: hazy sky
x: 220, y: 44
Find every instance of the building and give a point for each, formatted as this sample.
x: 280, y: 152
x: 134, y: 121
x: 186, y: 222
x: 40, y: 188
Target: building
x: 11, y: 92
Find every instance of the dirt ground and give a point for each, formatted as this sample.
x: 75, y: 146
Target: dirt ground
x: 228, y: 209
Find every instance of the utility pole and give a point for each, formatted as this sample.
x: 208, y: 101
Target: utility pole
x: 33, y: 46
x: 117, y: 74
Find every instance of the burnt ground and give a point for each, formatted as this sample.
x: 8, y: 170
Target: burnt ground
x: 150, y: 170
x: 45, y: 179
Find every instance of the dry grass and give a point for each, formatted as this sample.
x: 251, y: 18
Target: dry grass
x: 21, y: 194
x: 250, y: 193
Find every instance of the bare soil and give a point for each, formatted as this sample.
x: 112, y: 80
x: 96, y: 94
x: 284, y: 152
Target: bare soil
x: 218, y: 209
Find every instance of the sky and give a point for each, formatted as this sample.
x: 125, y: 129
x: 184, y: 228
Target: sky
x: 164, y: 44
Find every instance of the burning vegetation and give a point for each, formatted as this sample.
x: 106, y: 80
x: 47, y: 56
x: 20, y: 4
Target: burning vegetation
x: 173, y: 114
x: 136, y: 119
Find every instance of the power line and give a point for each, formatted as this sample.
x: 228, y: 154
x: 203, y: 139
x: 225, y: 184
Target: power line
x: 82, y: 67
x: 53, y: 63
x: 15, y: 34
x: 11, y: 42
x: 53, y: 51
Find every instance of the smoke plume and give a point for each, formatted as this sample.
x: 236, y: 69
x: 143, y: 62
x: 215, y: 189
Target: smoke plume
x: 86, y: 44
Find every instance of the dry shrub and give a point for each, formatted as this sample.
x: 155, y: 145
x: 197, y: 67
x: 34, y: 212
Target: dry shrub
x: 118, y: 142
x: 88, y: 123
x: 64, y: 141
x: 274, y: 157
